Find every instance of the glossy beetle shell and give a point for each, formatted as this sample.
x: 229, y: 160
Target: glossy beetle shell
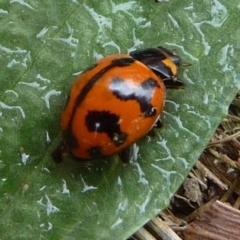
x: 111, y: 105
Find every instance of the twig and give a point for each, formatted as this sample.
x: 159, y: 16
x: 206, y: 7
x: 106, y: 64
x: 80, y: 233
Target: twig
x: 225, y: 139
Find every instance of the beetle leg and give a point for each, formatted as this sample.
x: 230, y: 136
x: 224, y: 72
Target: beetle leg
x: 125, y: 155
x: 173, y: 83
x: 58, y: 153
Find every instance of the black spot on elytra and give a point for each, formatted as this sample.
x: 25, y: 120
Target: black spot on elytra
x: 120, y: 62
x: 106, y: 122
x: 95, y: 152
x: 68, y: 134
x: 142, y: 93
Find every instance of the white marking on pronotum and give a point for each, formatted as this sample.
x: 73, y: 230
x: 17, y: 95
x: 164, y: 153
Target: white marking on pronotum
x: 86, y: 187
x: 50, y: 208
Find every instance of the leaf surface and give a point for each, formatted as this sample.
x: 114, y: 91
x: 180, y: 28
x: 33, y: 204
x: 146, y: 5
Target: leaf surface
x: 44, y: 45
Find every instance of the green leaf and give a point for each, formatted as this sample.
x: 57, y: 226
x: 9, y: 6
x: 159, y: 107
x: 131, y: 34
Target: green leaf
x: 44, y: 44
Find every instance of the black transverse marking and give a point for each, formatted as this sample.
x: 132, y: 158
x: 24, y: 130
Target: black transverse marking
x: 142, y: 94
x: 106, y: 122
x: 120, y: 62
x: 95, y: 152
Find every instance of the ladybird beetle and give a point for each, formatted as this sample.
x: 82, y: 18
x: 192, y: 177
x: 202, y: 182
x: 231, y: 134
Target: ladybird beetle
x: 115, y: 102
